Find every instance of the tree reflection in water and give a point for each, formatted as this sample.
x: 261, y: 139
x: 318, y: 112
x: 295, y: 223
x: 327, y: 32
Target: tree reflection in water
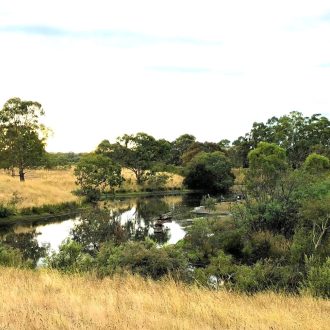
x: 26, y: 243
x: 120, y: 224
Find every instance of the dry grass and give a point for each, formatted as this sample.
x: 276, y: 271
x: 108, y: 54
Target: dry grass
x: 41, y: 187
x: 174, y: 181
x: 48, y: 300
x: 224, y: 206
x: 55, y: 186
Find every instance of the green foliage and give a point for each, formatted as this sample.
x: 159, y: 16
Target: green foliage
x: 96, y: 227
x: 266, y: 275
x: 197, y: 147
x: 299, y: 135
x: 318, y: 278
x: 50, y: 208
x: 316, y: 218
x: 10, y: 257
x: 179, y: 147
x: 316, y: 164
x: 70, y: 258
x: 22, y: 137
x: 138, y: 153
x: 206, y: 237
x: 28, y: 246
x: 221, y: 266
x: 143, y: 258
x: 156, y: 181
x: 267, y: 165
x: 6, y: 211
x: 209, y: 172
x: 209, y: 202
x: 95, y: 173
x: 60, y: 160
x: 263, y: 245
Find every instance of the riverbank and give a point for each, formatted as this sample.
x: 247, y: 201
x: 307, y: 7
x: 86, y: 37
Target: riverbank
x: 37, y: 219
x: 174, y: 192
x: 51, y: 187
x: 49, y: 300
x: 53, y: 213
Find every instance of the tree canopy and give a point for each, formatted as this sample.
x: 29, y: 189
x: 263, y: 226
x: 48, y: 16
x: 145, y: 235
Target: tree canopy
x: 137, y: 152
x: 22, y: 137
x: 209, y: 172
x: 96, y: 173
x: 298, y: 135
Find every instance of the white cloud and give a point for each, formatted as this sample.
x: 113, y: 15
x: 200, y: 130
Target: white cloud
x: 211, y: 68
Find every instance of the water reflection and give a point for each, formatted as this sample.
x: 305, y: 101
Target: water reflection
x: 54, y: 234
x: 26, y: 242
x: 117, y: 220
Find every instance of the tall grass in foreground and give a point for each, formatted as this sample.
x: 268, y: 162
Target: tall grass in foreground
x: 48, y: 300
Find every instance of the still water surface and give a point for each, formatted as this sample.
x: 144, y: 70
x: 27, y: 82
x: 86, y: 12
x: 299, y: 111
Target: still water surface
x: 138, y: 213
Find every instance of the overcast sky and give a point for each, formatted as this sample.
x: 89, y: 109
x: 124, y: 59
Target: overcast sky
x: 208, y: 68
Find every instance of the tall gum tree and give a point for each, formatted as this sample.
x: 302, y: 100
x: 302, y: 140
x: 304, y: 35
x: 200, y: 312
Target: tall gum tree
x: 22, y: 136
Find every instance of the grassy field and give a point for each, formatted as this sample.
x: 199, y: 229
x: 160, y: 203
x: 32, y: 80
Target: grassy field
x: 41, y: 187
x: 48, y: 300
x: 55, y: 186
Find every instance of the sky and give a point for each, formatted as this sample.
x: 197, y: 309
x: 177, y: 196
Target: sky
x: 209, y: 68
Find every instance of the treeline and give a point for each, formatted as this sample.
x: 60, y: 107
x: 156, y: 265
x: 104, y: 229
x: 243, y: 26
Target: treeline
x: 298, y: 135
x: 23, y: 139
x: 277, y: 239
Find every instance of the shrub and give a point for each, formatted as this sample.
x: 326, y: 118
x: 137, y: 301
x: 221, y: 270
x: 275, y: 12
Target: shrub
x: 316, y: 164
x: 318, y: 278
x: 10, y: 257
x: 143, y: 258
x: 266, y: 275
x: 70, y: 258
x: 6, y: 211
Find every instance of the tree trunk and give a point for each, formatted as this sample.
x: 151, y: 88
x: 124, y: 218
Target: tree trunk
x: 21, y: 175
x: 13, y: 171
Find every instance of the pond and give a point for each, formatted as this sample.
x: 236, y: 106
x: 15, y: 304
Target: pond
x: 136, y: 217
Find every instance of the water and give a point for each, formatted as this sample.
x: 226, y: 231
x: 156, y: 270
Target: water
x: 136, y: 215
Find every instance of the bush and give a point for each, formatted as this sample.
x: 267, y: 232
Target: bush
x: 70, y: 258
x: 264, y: 244
x: 266, y: 275
x: 209, y: 202
x: 143, y: 258
x: 49, y: 208
x: 318, y: 278
x: 6, y: 211
x: 10, y: 257
x: 316, y: 164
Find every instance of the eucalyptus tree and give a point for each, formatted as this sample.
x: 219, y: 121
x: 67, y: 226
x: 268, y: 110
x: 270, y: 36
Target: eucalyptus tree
x: 138, y: 153
x: 97, y: 173
x: 22, y: 136
x: 298, y: 135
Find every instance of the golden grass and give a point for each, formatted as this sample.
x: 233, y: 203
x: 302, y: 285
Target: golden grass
x: 41, y: 187
x: 55, y: 186
x: 224, y: 206
x: 174, y: 181
x: 48, y: 300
